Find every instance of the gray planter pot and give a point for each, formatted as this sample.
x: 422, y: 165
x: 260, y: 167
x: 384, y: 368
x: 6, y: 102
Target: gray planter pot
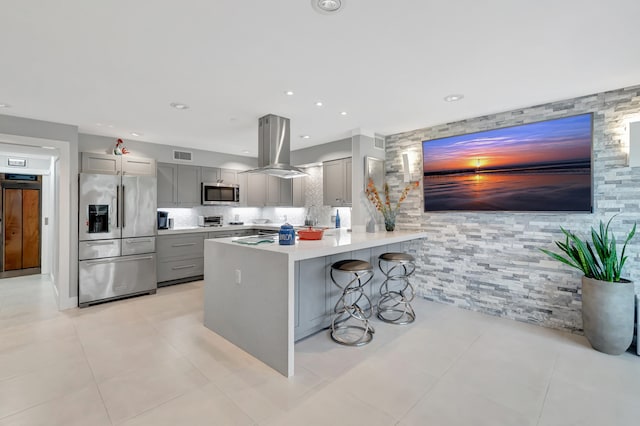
x: 608, y: 314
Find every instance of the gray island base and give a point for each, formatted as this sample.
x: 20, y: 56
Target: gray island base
x: 263, y: 298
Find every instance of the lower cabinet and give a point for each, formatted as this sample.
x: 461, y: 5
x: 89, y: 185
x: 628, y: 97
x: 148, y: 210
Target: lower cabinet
x: 180, y: 258
x: 316, y: 295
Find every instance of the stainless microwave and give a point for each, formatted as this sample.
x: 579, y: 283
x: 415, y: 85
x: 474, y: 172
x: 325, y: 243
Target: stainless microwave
x: 220, y: 193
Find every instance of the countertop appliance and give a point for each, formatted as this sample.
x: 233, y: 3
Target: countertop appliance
x: 220, y: 193
x: 215, y: 220
x: 117, y: 231
x: 163, y: 220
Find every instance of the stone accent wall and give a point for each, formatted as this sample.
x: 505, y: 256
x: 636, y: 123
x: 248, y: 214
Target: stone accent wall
x: 490, y: 261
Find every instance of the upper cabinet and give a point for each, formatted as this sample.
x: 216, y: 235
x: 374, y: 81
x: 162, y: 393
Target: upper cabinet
x: 299, y: 185
x: 214, y: 174
x: 178, y: 185
x: 107, y: 164
x: 263, y: 190
x: 138, y: 166
x: 336, y: 176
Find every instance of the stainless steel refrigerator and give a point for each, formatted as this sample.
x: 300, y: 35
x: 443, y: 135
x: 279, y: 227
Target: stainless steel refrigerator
x: 117, y: 217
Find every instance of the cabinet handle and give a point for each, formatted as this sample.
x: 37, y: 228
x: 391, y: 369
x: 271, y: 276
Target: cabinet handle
x: 183, y: 267
x: 183, y: 245
x: 139, y: 241
x: 120, y: 260
x: 101, y: 243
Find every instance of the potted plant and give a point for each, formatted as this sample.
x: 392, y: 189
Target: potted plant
x: 607, y: 300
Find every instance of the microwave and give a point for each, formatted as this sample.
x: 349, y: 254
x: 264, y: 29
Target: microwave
x: 220, y: 193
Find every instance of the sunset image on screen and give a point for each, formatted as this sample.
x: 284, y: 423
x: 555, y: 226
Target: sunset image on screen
x: 531, y: 167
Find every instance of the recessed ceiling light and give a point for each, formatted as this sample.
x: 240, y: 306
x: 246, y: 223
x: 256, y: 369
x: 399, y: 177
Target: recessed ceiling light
x: 305, y: 136
x: 343, y: 113
x: 5, y: 106
x: 49, y: 147
x: 136, y: 134
x: 178, y: 105
x: 319, y: 104
x: 245, y: 151
x: 453, y: 98
x: 288, y: 93
x: 327, y: 6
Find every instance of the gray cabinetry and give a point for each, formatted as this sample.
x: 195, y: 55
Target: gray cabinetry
x: 178, y: 185
x: 312, y: 304
x: 229, y: 176
x: 316, y: 295
x: 167, y: 188
x: 279, y: 191
x: 256, y: 190
x: 264, y: 190
x: 337, y: 182
x: 210, y: 174
x: 180, y: 258
x: 138, y: 166
x: 108, y: 164
x: 215, y: 174
x: 298, y: 186
x: 188, y: 185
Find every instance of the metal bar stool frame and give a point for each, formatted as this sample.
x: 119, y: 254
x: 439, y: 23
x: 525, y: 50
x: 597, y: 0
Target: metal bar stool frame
x: 348, y: 308
x: 396, y: 291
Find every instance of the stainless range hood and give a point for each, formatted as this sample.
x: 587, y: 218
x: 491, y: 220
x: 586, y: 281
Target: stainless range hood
x: 274, y: 146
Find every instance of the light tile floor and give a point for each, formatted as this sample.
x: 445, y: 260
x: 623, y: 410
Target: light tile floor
x: 149, y: 361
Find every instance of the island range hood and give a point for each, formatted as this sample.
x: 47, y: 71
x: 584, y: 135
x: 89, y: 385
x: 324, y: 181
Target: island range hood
x: 274, y: 148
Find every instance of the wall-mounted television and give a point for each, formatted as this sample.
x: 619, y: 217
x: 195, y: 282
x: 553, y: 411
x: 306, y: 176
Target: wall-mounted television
x: 542, y: 166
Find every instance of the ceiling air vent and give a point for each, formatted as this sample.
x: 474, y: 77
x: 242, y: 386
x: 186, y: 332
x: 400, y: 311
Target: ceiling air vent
x: 378, y: 141
x: 182, y: 155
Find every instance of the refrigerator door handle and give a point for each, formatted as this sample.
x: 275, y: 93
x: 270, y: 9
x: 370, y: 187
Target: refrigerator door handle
x: 123, y: 208
x: 117, y: 206
x: 118, y: 260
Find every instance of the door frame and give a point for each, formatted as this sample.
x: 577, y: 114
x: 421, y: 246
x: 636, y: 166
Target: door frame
x: 61, y: 169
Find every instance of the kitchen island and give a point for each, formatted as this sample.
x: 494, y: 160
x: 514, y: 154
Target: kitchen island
x: 264, y: 297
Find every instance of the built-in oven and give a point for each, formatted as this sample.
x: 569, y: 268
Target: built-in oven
x: 220, y: 193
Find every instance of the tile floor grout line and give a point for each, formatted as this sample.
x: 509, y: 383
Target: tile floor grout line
x: 546, y: 393
x: 93, y: 374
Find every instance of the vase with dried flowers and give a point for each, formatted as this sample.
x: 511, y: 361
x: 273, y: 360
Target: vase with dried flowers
x: 388, y: 212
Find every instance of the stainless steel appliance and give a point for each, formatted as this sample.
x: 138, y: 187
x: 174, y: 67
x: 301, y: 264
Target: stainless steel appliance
x: 215, y: 220
x: 274, y: 148
x: 117, y: 217
x: 220, y: 193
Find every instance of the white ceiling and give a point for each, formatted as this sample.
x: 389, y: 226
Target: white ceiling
x: 389, y: 64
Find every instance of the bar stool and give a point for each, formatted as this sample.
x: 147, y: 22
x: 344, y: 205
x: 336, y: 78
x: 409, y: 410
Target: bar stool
x: 350, y: 325
x: 396, y: 292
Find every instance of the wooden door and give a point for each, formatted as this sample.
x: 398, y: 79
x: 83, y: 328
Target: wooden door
x: 30, y: 228
x: 21, y: 228
x: 12, y: 229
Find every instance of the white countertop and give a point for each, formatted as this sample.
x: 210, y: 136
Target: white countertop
x: 193, y: 229
x: 334, y: 241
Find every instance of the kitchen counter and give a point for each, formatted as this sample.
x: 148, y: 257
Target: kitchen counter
x: 250, y: 291
x: 192, y: 229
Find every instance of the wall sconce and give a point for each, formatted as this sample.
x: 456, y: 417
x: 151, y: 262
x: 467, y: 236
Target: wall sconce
x: 634, y: 144
x: 406, y: 166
